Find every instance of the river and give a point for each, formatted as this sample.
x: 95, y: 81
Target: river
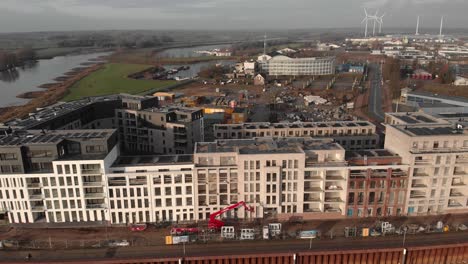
x: 29, y: 78
x: 189, y: 51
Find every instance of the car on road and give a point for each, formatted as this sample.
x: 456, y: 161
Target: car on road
x: 119, y: 243
x: 138, y: 227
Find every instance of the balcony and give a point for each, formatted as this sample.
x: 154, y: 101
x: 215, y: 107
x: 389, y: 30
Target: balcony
x: 34, y: 185
x: 134, y: 182
x: 36, y: 197
x: 91, y: 171
x: 312, y: 199
x: 333, y: 200
x: 417, y: 195
x: 458, y: 184
x: 94, y: 195
x: 119, y: 182
x: 312, y: 210
x: 313, y: 178
x: 92, y: 184
x: 335, y: 178
x: 325, y: 163
x: 332, y: 210
x: 37, y: 208
x: 419, y: 185
x: 333, y: 188
x: 453, y: 203
x: 378, y: 174
x: 312, y: 189
x: 96, y: 206
x: 461, y: 160
x: 456, y: 194
x: 422, y: 162
x: 399, y: 173
x: 459, y: 172
x: 358, y: 174
x: 420, y: 174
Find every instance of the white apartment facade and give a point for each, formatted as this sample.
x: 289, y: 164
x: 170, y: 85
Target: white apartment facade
x: 437, y: 154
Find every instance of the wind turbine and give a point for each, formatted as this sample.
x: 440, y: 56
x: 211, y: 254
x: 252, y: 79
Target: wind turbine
x: 376, y: 20
x: 366, y: 20
x: 417, y: 27
x: 381, y: 22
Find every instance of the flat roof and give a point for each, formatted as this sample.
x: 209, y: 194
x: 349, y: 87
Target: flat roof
x: 267, y: 145
x: 56, y: 110
x: 438, y: 96
x: 153, y: 160
x: 267, y: 125
x: 373, y: 153
x: 426, y: 130
x: 31, y: 137
x: 416, y: 118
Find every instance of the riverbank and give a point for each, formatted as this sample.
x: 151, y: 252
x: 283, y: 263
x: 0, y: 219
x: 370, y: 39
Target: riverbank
x: 52, y: 95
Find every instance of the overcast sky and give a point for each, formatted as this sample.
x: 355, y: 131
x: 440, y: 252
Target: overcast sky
x: 52, y: 15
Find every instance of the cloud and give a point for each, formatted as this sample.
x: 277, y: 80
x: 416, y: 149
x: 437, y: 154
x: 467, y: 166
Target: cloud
x: 220, y: 14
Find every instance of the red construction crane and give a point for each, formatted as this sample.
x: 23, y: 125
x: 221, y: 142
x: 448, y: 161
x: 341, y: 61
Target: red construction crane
x: 214, y: 223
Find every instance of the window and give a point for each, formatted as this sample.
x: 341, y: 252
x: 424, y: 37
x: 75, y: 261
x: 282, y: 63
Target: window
x: 41, y: 153
x: 8, y: 156
x: 95, y: 149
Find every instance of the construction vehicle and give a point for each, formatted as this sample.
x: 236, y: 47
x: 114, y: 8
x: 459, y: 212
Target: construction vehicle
x: 215, y: 224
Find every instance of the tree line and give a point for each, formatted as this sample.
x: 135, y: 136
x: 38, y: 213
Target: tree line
x: 13, y: 59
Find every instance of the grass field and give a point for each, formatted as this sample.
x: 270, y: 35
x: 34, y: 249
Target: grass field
x: 112, y: 79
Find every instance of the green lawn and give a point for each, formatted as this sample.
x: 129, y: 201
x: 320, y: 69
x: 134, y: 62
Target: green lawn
x: 112, y: 79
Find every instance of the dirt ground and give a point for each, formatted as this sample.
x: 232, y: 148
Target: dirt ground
x: 200, y: 89
x: 156, y: 236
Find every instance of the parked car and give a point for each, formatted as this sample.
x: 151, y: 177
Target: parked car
x: 119, y: 243
x: 138, y: 227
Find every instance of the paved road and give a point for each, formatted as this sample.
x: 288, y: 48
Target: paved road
x: 236, y: 248
x: 376, y: 96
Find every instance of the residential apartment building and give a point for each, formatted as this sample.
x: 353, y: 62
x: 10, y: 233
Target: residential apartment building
x: 88, y: 113
x: 151, y: 189
x: 349, y: 134
x: 285, y: 66
x: 79, y: 175
x: 377, y: 184
x: 278, y: 177
x: 144, y: 128
x: 56, y: 176
x: 437, y: 153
